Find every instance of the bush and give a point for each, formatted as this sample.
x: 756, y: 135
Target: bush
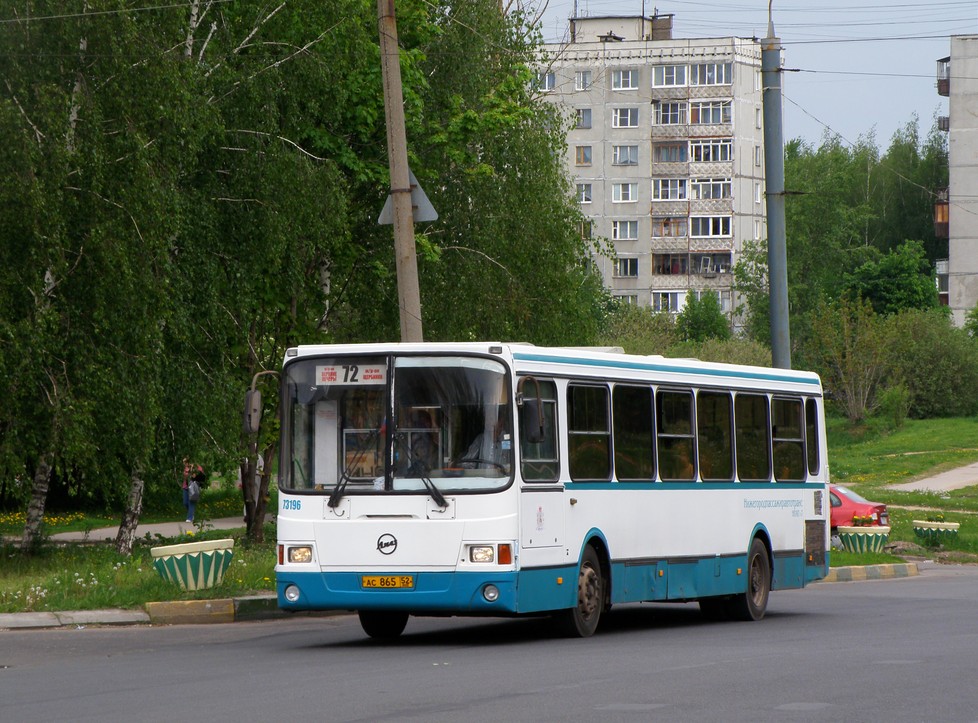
x: 937, y: 362
x: 894, y: 404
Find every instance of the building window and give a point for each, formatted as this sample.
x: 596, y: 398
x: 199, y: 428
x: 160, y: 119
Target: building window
x: 626, y: 267
x: 758, y: 118
x: 582, y: 80
x: 758, y: 156
x: 624, y: 118
x: 757, y: 229
x: 582, y: 155
x: 668, y: 189
x: 669, y: 152
x: 584, y: 193
x: 624, y: 155
x: 624, y: 192
x: 624, y: 230
x: 704, y: 188
x: 546, y: 81
x: 667, y: 114
x: 669, y: 227
x: 583, y: 117
x: 624, y: 80
x: 709, y: 112
x: 709, y: 226
x: 711, y: 151
x: 669, y: 264
x: 664, y: 76
x: 757, y: 192
x: 665, y: 301
x: 587, y: 228
x: 630, y: 299
x: 711, y: 74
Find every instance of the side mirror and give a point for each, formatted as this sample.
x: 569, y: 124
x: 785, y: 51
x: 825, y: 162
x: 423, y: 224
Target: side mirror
x: 252, y: 411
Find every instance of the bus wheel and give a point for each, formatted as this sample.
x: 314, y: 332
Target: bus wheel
x: 582, y: 620
x: 382, y: 623
x: 753, y: 603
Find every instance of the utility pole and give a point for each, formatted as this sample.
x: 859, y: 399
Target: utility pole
x: 777, y: 256
x: 405, y: 253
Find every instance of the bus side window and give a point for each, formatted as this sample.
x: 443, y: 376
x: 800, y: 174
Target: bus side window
x: 538, y: 459
x: 811, y: 435
x: 674, y: 419
x: 789, y: 454
x: 714, y: 421
x: 633, y: 432
x: 753, y: 438
x: 588, y: 432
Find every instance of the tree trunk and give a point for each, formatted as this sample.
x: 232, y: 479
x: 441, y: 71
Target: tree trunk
x: 130, y: 518
x: 35, y: 509
x: 256, y: 512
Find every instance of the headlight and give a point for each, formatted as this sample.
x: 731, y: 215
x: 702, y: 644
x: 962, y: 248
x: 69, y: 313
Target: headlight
x: 300, y: 554
x: 482, y: 553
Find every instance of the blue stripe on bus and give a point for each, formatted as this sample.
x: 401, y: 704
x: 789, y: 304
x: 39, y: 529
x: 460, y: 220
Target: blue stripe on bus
x: 544, y: 589
x: 670, y: 368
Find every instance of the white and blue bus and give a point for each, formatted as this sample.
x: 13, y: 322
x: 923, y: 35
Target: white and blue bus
x: 496, y: 479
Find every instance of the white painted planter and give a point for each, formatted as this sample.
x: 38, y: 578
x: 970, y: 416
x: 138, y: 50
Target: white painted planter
x: 869, y: 538
x: 194, y: 565
x: 934, y: 533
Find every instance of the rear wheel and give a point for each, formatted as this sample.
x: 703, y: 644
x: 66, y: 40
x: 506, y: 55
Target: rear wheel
x: 383, y: 624
x: 752, y: 604
x: 582, y: 620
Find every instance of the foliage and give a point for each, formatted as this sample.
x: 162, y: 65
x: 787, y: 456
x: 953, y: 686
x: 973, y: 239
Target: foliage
x: 937, y: 362
x: 638, y: 329
x: 703, y: 318
x: 902, y: 278
x: 849, y: 352
x: 894, y: 403
x: 181, y: 201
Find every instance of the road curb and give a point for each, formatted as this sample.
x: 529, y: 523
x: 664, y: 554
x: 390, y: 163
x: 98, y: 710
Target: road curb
x: 871, y: 572
x: 191, y: 611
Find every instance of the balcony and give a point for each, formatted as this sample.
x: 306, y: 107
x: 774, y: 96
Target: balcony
x: 944, y: 77
x: 941, y: 214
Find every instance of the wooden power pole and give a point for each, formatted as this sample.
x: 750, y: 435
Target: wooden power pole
x: 406, y: 257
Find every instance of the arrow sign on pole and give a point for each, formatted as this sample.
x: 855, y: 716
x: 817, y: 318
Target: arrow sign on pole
x: 423, y: 210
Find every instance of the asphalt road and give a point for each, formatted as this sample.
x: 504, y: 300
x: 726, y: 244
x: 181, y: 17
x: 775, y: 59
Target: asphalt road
x: 895, y: 650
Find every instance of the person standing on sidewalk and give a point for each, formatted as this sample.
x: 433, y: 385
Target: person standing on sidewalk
x: 191, y: 471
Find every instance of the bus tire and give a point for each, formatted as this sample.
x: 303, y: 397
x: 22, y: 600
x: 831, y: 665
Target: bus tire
x: 383, y: 624
x: 582, y: 620
x: 752, y: 604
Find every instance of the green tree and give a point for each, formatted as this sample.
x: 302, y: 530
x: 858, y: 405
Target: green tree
x: 703, y: 318
x: 849, y: 351
x: 638, y: 329
x: 902, y: 278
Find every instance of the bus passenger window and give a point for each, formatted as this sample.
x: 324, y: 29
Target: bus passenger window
x: 538, y: 460
x: 713, y: 429
x: 588, y: 433
x: 811, y: 435
x: 633, y: 433
x: 674, y: 419
x: 789, y: 456
x: 753, y: 437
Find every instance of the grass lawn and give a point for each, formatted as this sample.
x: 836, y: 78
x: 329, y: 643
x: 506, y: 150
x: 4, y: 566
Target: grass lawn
x: 867, y: 459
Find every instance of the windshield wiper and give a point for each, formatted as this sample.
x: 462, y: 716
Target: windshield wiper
x: 337, y: 493
x: 418, y: 466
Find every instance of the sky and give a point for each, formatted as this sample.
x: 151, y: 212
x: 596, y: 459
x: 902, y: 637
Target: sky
x: 863, y: 66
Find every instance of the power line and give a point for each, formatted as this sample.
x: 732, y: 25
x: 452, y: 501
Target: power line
x: 93, y: 13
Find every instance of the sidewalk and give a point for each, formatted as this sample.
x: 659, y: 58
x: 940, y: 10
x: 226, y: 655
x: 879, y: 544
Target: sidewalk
x: 953, y: 479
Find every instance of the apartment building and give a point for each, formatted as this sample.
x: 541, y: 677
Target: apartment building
x: 666, y: 152
x: 956, y: 207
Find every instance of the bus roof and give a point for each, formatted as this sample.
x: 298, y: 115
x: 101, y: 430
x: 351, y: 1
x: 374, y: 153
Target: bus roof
x: 586, y: 361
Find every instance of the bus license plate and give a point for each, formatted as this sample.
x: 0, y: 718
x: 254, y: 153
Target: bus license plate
x: 387, y: 582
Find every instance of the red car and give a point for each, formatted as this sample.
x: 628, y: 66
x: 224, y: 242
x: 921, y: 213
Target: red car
x: 846, y: 504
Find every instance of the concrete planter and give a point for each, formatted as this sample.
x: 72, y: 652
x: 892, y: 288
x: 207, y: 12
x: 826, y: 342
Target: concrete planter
x: 194, y: 565
x: 870, y: 538
x: 935, y: 533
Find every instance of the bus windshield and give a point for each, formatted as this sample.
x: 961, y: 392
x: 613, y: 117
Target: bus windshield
x: 376, y: 425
